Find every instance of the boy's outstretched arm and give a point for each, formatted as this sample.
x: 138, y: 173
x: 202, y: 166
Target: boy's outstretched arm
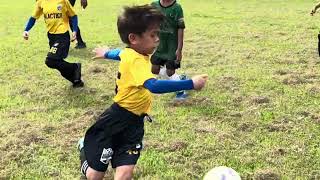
x: 180, y: 44
x: 107, y: 53
x: 38, y: 11
x: 29, y: 25
x: 314, y: 10
x: 166, y: 86
x: 74, y: 23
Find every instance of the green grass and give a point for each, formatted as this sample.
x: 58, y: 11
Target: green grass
x: 258, y: 114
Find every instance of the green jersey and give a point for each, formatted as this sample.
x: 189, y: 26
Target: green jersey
x: 169, y: 30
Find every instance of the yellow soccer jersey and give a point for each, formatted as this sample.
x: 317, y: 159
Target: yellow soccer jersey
x: 134, y: 70
x: 56, y: 14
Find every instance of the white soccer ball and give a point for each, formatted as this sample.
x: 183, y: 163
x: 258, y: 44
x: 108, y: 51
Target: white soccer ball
x: 222, y: 173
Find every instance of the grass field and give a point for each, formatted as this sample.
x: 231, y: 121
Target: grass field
x: 258, y: 114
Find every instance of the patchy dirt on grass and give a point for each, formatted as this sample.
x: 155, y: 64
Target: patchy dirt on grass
x: 260, y: 99
x: 266, y: 175
x: 314, y: 90
x: 20, y: 142
x: 294, y: 80
x: 247, y: 127
x: 76, y: 127
x: 228, y: 83
x: 282, y: 125
x: 20, y: 112
x: 177, y: 145
x: 192, y: 101
x: 96, y: 69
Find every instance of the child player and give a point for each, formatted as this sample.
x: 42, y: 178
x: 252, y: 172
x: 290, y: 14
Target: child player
x: 117, y: 135
x: 56, y: 15
x: 168, y: 55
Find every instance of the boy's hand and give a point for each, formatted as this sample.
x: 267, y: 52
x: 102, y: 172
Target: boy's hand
x: 199, y: 81
x: 25, y: 35
x: 84, y: 3
x: 99, y: 52
x: 178, y: 55
x: 313, y: 11
x: 74, y: 36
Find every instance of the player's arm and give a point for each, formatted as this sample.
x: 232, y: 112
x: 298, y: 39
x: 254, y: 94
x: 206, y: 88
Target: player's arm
x: 180, y: 44
x: 314, y: 10
x: 74, y: 23
x: 37, y: 12
x: 73, y: 17
x: 106, y: 53
x: 30, y: 24
x: 166, y: 86
x: 181, y: 27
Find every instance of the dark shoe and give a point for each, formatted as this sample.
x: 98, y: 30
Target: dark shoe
x: 78, y: 83
x: 81, y: 45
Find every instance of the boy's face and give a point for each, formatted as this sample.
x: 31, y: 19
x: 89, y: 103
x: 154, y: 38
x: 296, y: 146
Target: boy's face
x: 148, y: 42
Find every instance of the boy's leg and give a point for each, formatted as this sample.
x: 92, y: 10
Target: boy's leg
x: 66, y: 69
x: 87, y: 171
x: 124, y: 172
x: 127, y: 146
x: 157, y: 63
x: 92, y: 174
x: 106, y: 140
x: 59, y: 49
x: 80, y: 43
x: 163, y: 73
x: 171, y: 70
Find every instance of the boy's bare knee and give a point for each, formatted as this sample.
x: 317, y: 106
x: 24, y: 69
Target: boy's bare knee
x: 155, y: 69
x: 124, y: 172
x: 94, y: 175
x: 170, y: 72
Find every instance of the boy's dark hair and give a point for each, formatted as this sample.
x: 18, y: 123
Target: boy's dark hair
x: 136, y: 20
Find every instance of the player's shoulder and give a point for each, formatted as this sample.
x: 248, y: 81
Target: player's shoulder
x: 129, y: 55
x: 177, y: 5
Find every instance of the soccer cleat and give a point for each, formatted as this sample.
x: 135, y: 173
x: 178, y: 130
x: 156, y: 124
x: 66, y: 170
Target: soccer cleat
x: 77, y: 83
x: 183, y: 77
x: 81, y: 45
x: 181, y: 95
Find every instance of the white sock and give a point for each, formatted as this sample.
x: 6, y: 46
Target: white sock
x: 175, y: 77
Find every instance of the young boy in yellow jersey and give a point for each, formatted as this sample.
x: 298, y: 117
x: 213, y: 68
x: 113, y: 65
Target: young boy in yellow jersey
x: 56, y: 15
x: 117, y: 135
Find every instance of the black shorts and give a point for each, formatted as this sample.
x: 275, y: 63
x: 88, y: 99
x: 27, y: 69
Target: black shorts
x: 72, y: 2
x: 116, y: 137
x: 59, y: 45
x: 170, y: 64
